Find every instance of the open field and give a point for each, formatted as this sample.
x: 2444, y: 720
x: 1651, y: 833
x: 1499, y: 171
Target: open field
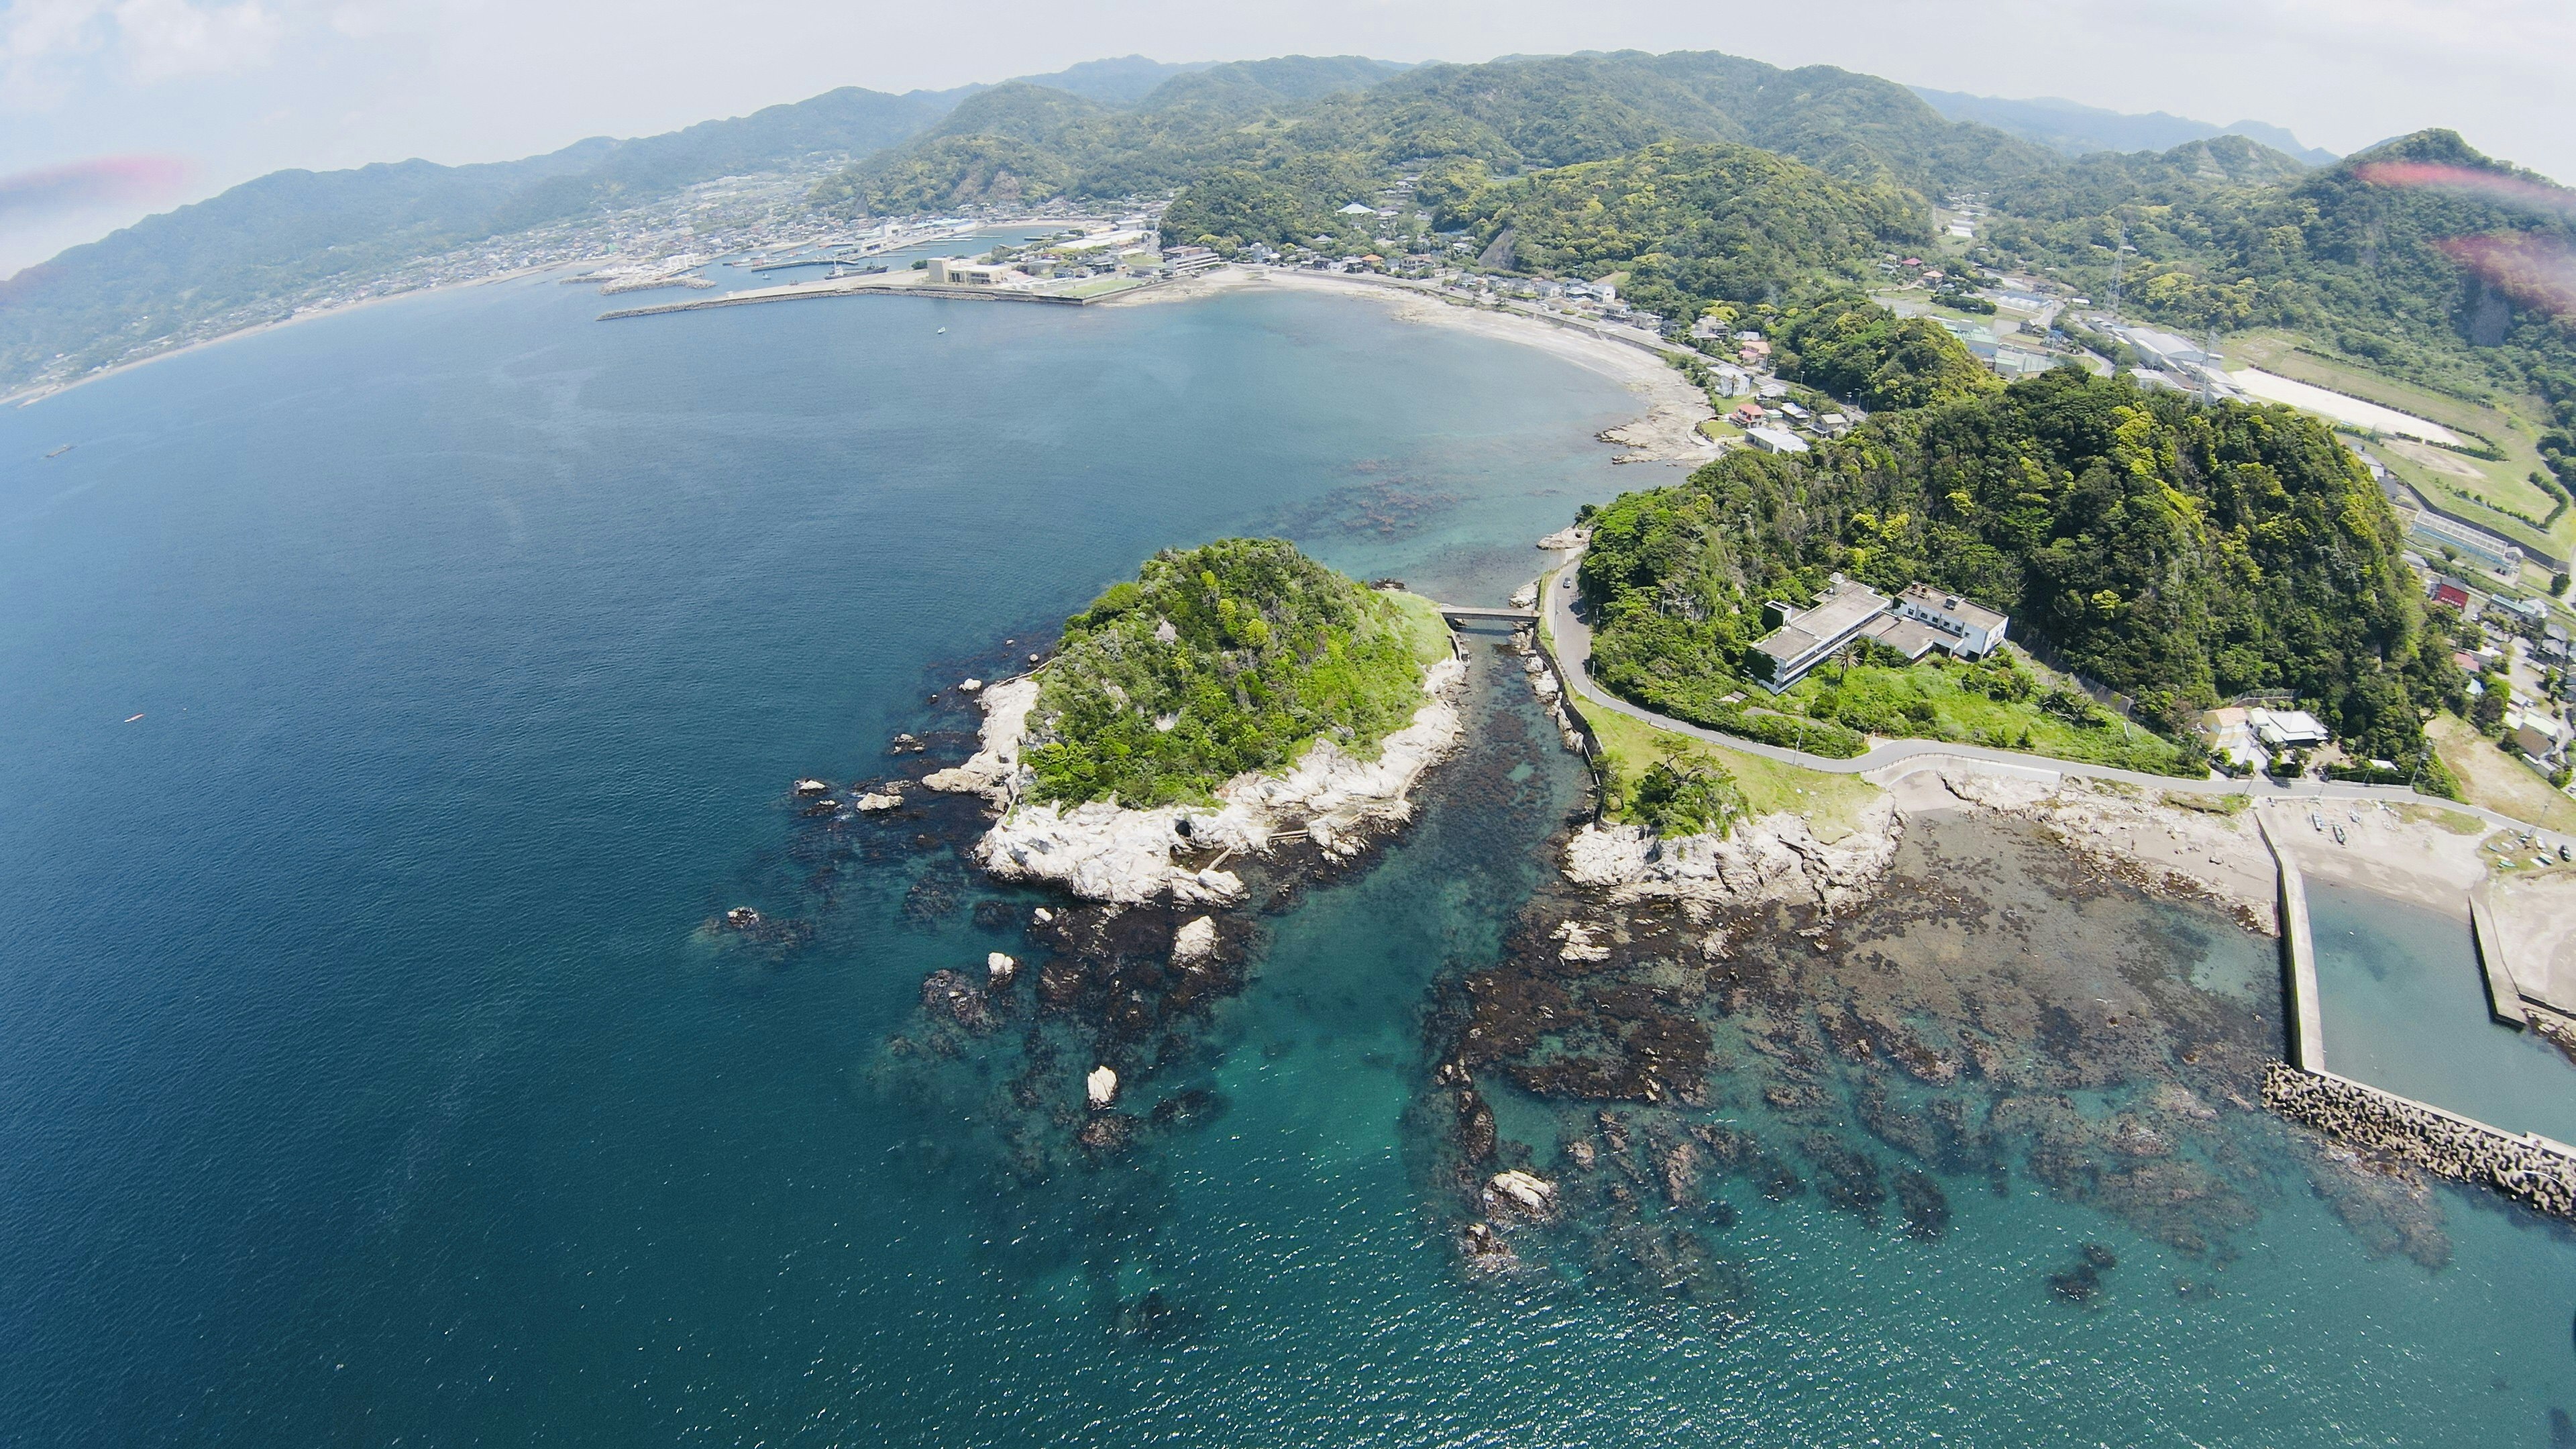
x: 2472, y: 487
x: 1831, y: 804
x: 2493, y: 779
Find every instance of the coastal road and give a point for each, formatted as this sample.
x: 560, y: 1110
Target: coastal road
x: 1571, y: 639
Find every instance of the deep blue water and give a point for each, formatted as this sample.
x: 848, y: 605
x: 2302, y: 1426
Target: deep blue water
x: 364, y: 1077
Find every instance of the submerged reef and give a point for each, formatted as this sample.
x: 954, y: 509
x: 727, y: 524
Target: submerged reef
x: 1996, y: 1006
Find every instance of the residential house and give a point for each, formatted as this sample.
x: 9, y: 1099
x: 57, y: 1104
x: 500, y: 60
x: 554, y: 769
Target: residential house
x: 2286, y: 729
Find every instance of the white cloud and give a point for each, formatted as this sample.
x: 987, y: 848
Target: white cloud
x: 49, y: 49
x: 165, y: 38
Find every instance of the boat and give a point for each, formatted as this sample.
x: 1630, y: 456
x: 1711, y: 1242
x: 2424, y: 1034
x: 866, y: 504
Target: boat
x: 65, y: 448
x: 943, y: 332
x: 2339, y: 835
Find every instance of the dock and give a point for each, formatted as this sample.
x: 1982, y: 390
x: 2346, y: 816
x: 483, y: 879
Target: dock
x: 2504, y: 994
x: 798, y: 292
x: 2303, y: 1017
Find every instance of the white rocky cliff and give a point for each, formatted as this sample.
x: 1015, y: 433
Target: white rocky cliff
x: 1108, y: 852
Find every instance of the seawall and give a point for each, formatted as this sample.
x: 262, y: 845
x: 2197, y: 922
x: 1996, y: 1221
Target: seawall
x: 2535, y: 1171
x: 2303, y: 1016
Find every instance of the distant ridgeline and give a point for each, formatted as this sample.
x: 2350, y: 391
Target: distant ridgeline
x: 2177, y: 553
x: 1704, y: 180
x: 1234, y: 656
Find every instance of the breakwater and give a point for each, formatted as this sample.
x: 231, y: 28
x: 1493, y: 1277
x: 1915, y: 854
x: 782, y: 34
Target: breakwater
x: 2305, y: 1013
x: 801, y: 293
x: 2532, y: 1170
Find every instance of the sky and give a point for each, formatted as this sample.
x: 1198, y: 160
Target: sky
x: 182, y: 98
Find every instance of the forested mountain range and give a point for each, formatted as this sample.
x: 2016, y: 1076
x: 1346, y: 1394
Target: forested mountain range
x: 1702, y: 178
x: 2081, y: 130
x: 1355, y: 124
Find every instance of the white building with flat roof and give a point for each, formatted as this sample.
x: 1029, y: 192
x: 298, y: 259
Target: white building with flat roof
x: 2286, y: 729
x: 1973, y: 628
x: 1809, y: 637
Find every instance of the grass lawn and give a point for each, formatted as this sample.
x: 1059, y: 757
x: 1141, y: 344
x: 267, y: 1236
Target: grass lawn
x: 2491, y: 778
x: 1830, y: 803
x: 1888, y: 699
x: 1430, y: 631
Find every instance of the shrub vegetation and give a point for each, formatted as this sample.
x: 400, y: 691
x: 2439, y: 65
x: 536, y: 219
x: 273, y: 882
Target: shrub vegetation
x: 1233, y: 656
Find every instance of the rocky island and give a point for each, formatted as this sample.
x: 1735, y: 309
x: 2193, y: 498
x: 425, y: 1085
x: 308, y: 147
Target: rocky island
x: 1232, y: 724
x: 1230, y: 698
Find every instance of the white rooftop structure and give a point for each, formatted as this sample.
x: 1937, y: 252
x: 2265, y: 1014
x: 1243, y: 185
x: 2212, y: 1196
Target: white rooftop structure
x: 1975, y: 628
x: 2286, y: 729
x: 1775, y: 440
x: 1808, y: 637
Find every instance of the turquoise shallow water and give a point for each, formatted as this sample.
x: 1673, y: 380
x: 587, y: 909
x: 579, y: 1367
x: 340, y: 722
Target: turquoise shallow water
x: 363, y: 1077
x: 2405, y: 1008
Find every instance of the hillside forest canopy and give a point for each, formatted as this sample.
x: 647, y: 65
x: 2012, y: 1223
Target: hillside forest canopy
x: 2180, y: 554
x: 1234, y: 656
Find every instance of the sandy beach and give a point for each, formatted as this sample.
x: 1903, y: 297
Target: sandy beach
x: 1666, y: 432
x: 2412, y: 854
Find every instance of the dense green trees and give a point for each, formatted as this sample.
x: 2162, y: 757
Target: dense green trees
x: 2176, y: 553
x: 1852, y: 348
x: 1280, y: 144
x: 2228, y: 235
x: 1691, y: 222
x: 1229, y: 657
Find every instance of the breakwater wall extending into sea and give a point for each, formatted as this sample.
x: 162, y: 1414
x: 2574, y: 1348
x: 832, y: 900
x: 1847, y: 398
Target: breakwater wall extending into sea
x: 800, y: 294
x: 2532, y: 1170
x: 2303, y: 1014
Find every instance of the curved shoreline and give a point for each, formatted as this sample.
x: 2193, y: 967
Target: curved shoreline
x: 1668, y: 430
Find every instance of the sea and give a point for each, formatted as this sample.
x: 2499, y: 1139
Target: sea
x: 388, y: 703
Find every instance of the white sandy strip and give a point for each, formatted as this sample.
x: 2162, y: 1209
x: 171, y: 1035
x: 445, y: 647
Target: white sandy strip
x: 2273, y: 388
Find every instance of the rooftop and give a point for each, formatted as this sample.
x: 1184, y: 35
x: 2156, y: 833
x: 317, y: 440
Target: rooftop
x: 1843, y: 608
x: 1924, y: 596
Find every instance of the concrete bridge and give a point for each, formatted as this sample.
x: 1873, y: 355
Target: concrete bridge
x: 1460, y: 614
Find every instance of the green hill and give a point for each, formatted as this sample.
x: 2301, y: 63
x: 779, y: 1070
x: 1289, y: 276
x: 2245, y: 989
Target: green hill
x: 1233, y: 656
x: 2179, y: 554
x: 1691, y: 222
x: 1284, y: 144
x: 2230, y: 237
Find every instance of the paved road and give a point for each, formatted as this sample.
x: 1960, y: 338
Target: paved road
x: 1572, y: 639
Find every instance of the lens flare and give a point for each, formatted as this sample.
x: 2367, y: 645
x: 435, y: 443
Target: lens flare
x: 89, y: 183
x: 2536, y: 271
x: 2470, y: 182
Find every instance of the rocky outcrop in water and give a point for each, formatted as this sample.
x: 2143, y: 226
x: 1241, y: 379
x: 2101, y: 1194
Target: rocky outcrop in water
x: 2533, y: 1171
x: 1106, y: 852
x: 1775, y: 858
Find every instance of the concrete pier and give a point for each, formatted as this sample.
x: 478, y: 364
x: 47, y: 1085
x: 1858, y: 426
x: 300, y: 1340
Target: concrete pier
x: 2303, y: 1015
x: 2504, y: 994
x: 803, y: 291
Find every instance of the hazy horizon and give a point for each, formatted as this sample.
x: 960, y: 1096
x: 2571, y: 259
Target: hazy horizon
x: 204, y: 96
